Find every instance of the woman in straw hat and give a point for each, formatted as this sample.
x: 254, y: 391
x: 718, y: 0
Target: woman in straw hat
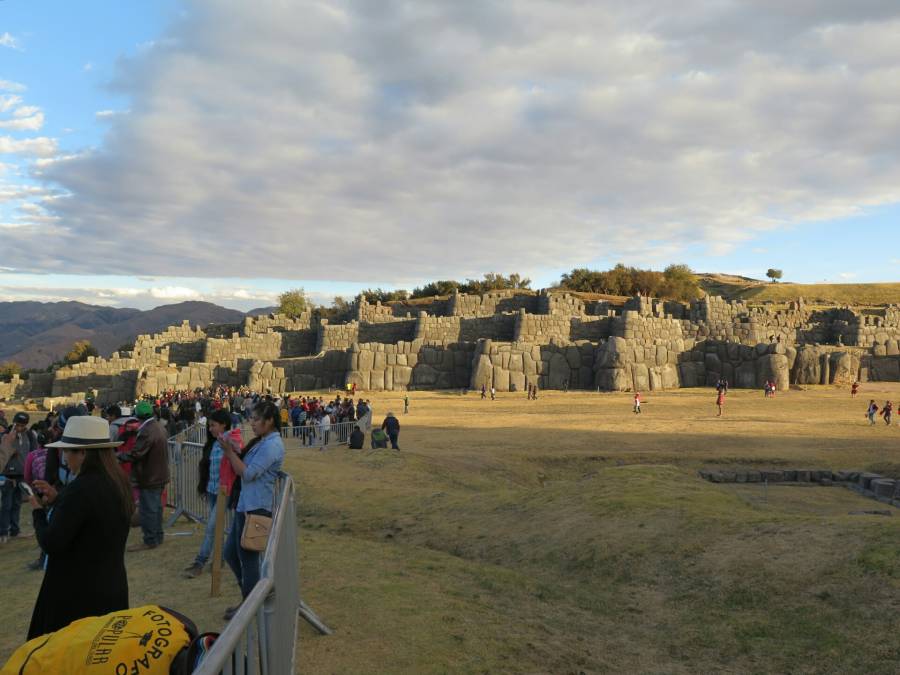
x: 83, y: 529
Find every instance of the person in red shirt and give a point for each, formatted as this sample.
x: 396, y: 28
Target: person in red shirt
x: 720, y: 402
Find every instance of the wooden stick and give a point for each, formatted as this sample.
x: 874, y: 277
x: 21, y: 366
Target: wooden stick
x: 217, y: 543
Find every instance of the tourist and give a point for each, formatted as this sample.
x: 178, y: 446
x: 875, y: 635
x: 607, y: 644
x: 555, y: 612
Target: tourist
x: 324, y: 427
x: 406, y: 404
x: 257, y: 468
x: 357, y: 438
x: 14, y: 448
x: 493, y: 393
x: 534, y: 392
x: 392, y: 426
x: 483, y: 395
x: 85, y: 536
x: 887, y: 411
x: 214, y: 471
x: 720, y: 401
x: 637, y: 403
x: 854, y: 389
x: 871, y: 412
x: 149, y: 474
x: 36, y: 469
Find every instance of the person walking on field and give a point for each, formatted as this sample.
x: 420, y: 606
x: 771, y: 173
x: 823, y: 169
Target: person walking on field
x: 637, y: 403
x: 406, y: 404
x: 392, y: 426
x: 854, y: 389
x: 720, y: 402
x: 887, y: 411
x: 483, y: 394
x: 871, y: 412
x: 493, y: 393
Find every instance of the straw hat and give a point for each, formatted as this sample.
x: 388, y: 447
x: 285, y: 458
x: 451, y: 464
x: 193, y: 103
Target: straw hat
x: 90, y: 433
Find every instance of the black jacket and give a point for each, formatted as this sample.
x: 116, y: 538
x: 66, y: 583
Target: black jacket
x: 391, y: 425
x: 85, y: 545
x: 357, y: 438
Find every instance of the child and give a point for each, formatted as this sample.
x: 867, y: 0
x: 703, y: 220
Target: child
x: 870, y: 413
x: 887, y: 411
x: 637, y: 403
x: 720, y: 401
x: 36, y: 469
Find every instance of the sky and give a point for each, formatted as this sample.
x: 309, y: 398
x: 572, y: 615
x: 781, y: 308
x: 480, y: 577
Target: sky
x: 153, y: 152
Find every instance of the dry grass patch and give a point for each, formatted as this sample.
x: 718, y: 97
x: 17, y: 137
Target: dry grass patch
x: 568, y: 535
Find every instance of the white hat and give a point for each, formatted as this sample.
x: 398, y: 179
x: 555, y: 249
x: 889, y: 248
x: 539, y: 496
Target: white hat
x: 86, y: 432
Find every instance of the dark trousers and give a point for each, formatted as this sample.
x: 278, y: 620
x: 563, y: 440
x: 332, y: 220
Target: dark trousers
x: 394, y: 436
x: 244, y: 563
x: 10, y: 506
x: 150, y: 511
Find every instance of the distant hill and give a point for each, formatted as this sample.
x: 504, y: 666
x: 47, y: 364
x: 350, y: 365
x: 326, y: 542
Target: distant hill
x: 34, y: 334
x: 757, y: 291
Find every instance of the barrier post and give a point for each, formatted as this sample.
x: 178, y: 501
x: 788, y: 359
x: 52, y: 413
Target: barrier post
x: 215, y: 584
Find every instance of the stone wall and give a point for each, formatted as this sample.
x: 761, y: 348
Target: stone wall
x: 410, y: 365
x: 336, y: 336
x: 506, y: 338
x: 462, y: 304
x: 512, y: 366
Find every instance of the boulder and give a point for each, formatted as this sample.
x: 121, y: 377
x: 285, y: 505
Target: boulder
x: 842, y: 368
x: 482, y: 373
x: 558, y: 372
x: 808, y: 365
x: 612, y: 379
x: 573, y: 356
x: 613, y: 353
x: 516, y: 381
x: 640, y: 377
x: 713, y: 364
x: 773, y: 367
x: 745, y: 375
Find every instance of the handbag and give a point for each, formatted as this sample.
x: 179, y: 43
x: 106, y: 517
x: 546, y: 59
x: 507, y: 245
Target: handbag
x: 256, y: 532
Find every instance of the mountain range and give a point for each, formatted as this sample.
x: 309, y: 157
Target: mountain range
x: 35, y: 334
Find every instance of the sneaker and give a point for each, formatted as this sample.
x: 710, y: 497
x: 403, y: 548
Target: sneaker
x: 230, y: 612
x: 140, y: 547
x: 194, y: 571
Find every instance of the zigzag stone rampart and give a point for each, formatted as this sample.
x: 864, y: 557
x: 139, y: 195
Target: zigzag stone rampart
x: 508, y: 339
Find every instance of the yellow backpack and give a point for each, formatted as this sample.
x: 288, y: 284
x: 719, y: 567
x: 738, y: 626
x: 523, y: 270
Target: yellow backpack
x: 146, y: 640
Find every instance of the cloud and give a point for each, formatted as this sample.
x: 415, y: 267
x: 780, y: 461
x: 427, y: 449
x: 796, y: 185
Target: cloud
x: 7, y: 40
x: 419, y: 140
x: 8, y: 85
x: 173, y: 292
x: 32, y: 122
x: 38, y: 147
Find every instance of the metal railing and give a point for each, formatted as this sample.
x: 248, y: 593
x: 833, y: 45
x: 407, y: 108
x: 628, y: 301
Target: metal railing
x: 319, y: 436
x: 261, y: 637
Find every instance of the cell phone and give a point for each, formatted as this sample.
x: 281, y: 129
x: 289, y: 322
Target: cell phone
x: 26, y: 488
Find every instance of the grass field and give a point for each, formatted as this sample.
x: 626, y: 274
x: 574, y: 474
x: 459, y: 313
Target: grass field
x: 568, y: 535
x: 754, y: 292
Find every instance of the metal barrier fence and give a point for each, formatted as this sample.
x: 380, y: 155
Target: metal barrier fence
x: 261, y: 636
x: 317, y: 436
x: 184, y: 475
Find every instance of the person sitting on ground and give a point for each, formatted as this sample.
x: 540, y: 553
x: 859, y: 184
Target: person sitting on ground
x: 357, y: 438
x: 392, y: 426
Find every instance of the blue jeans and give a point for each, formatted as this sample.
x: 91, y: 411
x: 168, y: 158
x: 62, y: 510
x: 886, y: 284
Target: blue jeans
x: 209, y: 534
x: 244, y: 563
x: 394, y: 437
x: 151, y: 515
x: 10, y: 506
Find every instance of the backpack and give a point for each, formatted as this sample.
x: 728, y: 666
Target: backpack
x: 150, y: 640
x: 39, y: 464
x: 15, y: 467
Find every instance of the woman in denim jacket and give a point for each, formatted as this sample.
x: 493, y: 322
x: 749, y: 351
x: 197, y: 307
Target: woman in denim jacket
x: 257, y: 468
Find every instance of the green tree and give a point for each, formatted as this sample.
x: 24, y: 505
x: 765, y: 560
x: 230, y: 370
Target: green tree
x: 80, y: 352
x: 680, y: 283
x: 8, y: 369
x: 380, y: 295
x: 293, y: 303
x: 773, y: 274
x: 444, y: 287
